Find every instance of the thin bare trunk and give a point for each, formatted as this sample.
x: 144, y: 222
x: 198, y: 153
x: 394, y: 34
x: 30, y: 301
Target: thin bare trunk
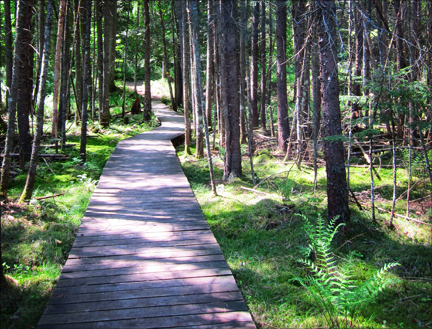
x: 65, y: 82
x: 243, y: 28
x: 200, y: 103
x: 209, y: 81
x: 254, y: 64
x: 125, y: 61
x: 147, y: 97
x: 166, y: 72
x: 263, y: 68
x: 78, y: 61
x: 184, y: 48
x: 86, y: 79
x: 106, y: 116
x: 136, y: 48
x: 8, y: 49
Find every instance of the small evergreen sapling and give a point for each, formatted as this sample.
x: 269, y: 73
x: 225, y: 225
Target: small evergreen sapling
x: 332, y: 285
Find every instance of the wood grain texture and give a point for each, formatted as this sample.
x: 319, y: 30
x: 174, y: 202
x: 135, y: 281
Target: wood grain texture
x: 144, y: 256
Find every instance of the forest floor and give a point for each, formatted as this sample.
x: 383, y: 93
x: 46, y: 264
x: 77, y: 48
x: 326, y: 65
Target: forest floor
x: 262, y: 237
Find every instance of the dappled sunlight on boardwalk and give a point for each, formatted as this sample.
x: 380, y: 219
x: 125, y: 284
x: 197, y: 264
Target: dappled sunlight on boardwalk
x: 144, y: 256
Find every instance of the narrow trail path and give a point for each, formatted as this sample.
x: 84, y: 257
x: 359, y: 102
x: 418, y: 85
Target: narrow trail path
x: 144, y: 256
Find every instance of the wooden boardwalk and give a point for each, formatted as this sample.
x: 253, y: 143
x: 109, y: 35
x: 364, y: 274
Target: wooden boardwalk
x: 144, y: 256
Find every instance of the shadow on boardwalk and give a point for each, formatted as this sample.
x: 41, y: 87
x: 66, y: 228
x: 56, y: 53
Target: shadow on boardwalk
x: 144, y: 255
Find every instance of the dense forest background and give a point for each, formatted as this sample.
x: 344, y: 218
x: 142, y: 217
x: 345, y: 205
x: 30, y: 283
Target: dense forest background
x: 344, y: 85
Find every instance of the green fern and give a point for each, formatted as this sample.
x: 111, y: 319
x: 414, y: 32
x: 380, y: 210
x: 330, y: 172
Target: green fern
x: 332, y: 285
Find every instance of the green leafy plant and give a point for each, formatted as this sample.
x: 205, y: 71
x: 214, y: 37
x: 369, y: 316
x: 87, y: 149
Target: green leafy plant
x: 332, y: 285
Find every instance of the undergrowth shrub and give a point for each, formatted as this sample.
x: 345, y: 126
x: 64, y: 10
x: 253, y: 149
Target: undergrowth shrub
x: 332, y: 284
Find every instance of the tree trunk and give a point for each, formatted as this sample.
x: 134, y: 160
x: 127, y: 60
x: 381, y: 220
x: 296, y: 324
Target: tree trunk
x: 18, y: 70
x: 263, y: 68
x: 99, y: 15
x: 147, y: 97
x: 299, y: 10
x: 254, y: 64
x: 209, y: 81
x: 200, y: 102
x: 28, y: 189
x: 242, y: 66
x: 65, y: 82
x: 57, y: 65
x: 184, y: 49
x: 41, y: 28
x: 366, y: 54
x: 230, y: 88
x: 78, y: 62
x: 316, y: 96
x: 282, y: 100
x: 166, y: 72
x: 8, y: 49
x: 270, y: 66
x: 112, y: 43
x: 219, y: 102
x: 400, y: 58
x: 86, y: 79
x: 356, y: 90
x: 136, y: 48
x: 337, y: 190
x: 24, y: 84
x: 177, y: 59
x: 125, y: 60
x: 106, y: 116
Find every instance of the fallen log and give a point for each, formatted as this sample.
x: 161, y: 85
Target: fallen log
x: 48, y: 196
x: 397, y: 215
x: 265, y: 193
x: 60, y: 156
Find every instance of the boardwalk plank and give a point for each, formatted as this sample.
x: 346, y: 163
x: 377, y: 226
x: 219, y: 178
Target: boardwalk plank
x: 119, y: 304
x: 228, y: 318
x: 140, y: 289
x: 133, y: 277
x: 153, y: 312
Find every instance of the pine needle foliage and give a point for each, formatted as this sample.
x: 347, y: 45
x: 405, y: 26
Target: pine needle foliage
x: 332, y: 284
